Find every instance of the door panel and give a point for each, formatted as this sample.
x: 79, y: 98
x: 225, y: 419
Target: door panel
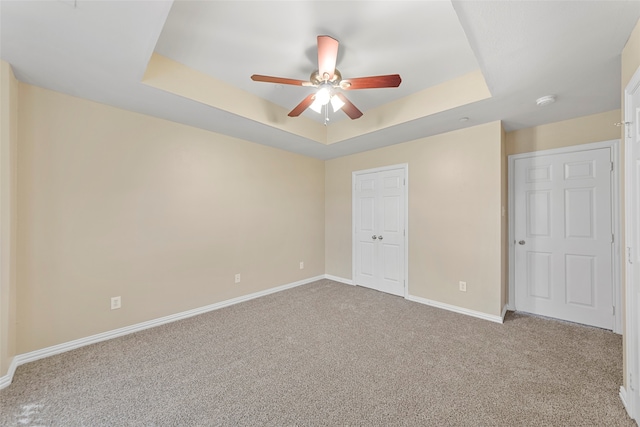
x: 539, y: 213
x: 379, y: 230
x: 391, y: 255
x: 579, y: 211
x: 579, y: 170
x: 539, y: 274
x: 367, y: 215
x: 367, y: 259
x: 538, y: 173
x: 563, y: 229
x: 391, y: 218
x: 580, y: 279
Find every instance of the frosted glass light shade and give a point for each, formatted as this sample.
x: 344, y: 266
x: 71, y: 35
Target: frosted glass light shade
x: 336, y: 103
x: 316, y: 106
x: 323, y: 95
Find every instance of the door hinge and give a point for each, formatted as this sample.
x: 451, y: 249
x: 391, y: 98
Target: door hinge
x: 613, y: 236
x: 613, y: 310
x: 611, y: 166
x: 404, y: 181
x: 404, y: 232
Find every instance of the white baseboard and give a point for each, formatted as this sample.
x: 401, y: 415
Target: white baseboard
x: 6, y: 379
x: 456, y: 309
x: 21, y: 359
x: 625, y: 403
x: 504, y: 312
x: 339, y: 279
x: 623, y: 397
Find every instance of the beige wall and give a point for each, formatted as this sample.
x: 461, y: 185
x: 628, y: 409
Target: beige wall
x: 117, y: 203
x: 582, y: 130
x: 8, y: 217
x: 631, y: 56
x: 454, y: 214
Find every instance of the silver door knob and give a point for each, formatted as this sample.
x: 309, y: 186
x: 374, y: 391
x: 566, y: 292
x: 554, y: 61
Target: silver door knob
x: 379, y: 237
x: 374, y: 237
x: 521, y: 242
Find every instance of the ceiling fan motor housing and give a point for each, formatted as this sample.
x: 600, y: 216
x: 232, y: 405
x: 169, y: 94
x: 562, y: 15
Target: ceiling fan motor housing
x: 316, y: 79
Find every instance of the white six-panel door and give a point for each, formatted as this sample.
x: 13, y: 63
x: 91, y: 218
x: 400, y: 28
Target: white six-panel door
x: 379, y: 228
x: 563, y: 233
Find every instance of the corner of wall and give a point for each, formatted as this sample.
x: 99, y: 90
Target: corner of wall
x: 630, y: 57
x: 8, y: 206
x: 504, y: 220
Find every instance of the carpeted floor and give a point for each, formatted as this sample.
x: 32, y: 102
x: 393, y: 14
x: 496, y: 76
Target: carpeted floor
x: 330, y: 354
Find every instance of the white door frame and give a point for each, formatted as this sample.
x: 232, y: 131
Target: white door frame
x: 615, y: 217
x: 632, y: 334
x: 354, y: 174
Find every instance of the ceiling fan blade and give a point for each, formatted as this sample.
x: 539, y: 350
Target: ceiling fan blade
x: 348, y: 107
x: 327, y: 55
x: 302, y: 106
x: 373, y: 82
x: 280, y: 80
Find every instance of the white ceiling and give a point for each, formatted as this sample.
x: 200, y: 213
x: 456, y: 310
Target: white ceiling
x: 99, y: 50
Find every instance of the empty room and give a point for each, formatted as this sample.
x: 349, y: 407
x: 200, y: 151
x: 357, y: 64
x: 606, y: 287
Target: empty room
x: 308, y: 213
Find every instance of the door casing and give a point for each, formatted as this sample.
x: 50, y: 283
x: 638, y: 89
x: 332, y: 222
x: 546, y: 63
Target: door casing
x: 630, y: 394
x: 615, y: 216
x: 405, y: 168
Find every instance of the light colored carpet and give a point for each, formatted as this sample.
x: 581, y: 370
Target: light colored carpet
x: 330, y: 354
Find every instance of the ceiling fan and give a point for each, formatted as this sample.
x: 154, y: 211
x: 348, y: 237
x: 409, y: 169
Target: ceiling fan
x: 329, y: 81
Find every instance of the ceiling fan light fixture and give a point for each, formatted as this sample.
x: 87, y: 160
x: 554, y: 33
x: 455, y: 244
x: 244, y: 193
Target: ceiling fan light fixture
x: 336, y: 103
x: 323, y: 95
x: 322, y: 98
x: 316, y: 106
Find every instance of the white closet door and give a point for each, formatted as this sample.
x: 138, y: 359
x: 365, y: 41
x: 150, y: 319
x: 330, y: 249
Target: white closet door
x: 366, y: 213
x: 380, y: 230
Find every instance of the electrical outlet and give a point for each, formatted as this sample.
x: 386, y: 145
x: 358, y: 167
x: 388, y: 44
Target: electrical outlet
x: 116, y: 303
x: 463, y: 286
x: 301, y: 265
x: 237, y: 278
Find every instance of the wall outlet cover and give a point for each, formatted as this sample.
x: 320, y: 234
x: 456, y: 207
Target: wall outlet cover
x: 116, y: 303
